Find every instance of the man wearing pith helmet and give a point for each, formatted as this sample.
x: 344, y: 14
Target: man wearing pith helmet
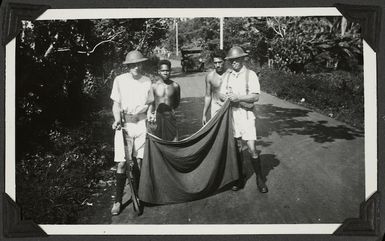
x: 131, y: 94
x: 241, y: 87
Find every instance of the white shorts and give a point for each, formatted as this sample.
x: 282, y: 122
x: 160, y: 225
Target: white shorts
x: 244, y: 125
x: 136, y: 138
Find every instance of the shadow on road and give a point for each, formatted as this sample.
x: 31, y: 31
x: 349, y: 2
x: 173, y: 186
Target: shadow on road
x: 287, y: 121
x: 269, y: 162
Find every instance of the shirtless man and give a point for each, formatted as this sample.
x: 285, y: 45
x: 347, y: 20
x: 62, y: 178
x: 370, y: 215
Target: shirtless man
x: 167, y: 98
x: 213, y: 84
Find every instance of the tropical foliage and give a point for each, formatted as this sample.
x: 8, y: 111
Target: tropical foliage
x: 194, y: 32
x: 298, y: 44
x: 314, y: 44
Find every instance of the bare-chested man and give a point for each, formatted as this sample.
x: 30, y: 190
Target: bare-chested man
x: 213, y: 84
x: 167, y: 98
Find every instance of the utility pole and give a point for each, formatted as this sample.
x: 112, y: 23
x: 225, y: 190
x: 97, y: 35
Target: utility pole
x: 176, y: 37
x: 221, y: 33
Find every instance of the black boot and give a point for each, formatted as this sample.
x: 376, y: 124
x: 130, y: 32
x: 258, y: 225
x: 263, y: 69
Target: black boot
x: 258, y: 172
x: 120, y: 183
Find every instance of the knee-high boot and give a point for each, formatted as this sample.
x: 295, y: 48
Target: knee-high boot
x: 258, y: 171
x: 120, y: 183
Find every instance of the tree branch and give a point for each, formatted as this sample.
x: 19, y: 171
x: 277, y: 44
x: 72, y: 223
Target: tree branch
x: 51, y: 47
x: 275, y: 21
x: 102, y: 42
x: 278, y: 32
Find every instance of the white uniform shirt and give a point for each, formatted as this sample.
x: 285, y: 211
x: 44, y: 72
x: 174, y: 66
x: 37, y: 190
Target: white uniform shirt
x: 237, y: 85
x: 130, y: 93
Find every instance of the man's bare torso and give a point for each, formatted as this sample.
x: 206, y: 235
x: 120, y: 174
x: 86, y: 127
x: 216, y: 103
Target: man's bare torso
x: 215, y: 81
x: 167, y: 93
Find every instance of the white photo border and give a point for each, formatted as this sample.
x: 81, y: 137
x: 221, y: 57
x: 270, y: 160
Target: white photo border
x: 370, y: 91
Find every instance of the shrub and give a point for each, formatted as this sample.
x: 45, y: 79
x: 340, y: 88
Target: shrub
x: 312, y: 44
x: 340, y: 93
x: 54, y: 183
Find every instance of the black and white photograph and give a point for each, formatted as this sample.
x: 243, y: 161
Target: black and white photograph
x: 236, y: 121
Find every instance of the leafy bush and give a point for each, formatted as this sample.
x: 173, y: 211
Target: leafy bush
x: 54, y: 183
x: 338, y: 93
x: 310, y: 44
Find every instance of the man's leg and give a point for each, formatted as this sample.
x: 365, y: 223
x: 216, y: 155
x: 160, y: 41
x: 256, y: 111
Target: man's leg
x: 120, y: 183
x: 256, y: 162
x: 240, y: 182
x: 138, y: 152
x: 252, y: 149
x: 139, y: 162
x: 136, y: 166
x: 134, y: 178
x: 121, y: 176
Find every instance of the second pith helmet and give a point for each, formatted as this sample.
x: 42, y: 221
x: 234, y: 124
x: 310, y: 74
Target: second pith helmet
x: 236, y: 52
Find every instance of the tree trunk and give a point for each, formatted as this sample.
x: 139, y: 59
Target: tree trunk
x: 344, y: 24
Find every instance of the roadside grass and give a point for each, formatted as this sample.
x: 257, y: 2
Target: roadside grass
x: 337, y: 94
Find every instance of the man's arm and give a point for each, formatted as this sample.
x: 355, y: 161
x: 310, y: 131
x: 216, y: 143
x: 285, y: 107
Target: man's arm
x: 177, y: 95
x: 207, y: 99
x: 151, y: 107
x: 116, y: 112
x: 116, y: 106
x: 250, y: 98
x: 150, y: 95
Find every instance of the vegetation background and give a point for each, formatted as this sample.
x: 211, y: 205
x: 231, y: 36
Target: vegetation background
x: 65, y: 70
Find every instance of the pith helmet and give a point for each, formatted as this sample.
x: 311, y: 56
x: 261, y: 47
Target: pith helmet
x: 134, y: 57
x: 236, y: 52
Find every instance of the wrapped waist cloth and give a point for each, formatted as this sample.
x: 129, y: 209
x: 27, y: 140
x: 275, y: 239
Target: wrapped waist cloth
x: 166, y: 128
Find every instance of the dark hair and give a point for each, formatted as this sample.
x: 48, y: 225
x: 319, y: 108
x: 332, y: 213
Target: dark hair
x: 164, y: 61
x: 218, y: 53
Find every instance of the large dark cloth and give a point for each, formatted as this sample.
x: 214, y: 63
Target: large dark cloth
x: 193, y: 168
x: 166, y: 128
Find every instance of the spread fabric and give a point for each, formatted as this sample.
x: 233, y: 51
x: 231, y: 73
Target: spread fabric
x: 193, y: 168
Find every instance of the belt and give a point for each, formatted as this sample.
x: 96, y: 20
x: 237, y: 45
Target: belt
x: 130, y: 118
